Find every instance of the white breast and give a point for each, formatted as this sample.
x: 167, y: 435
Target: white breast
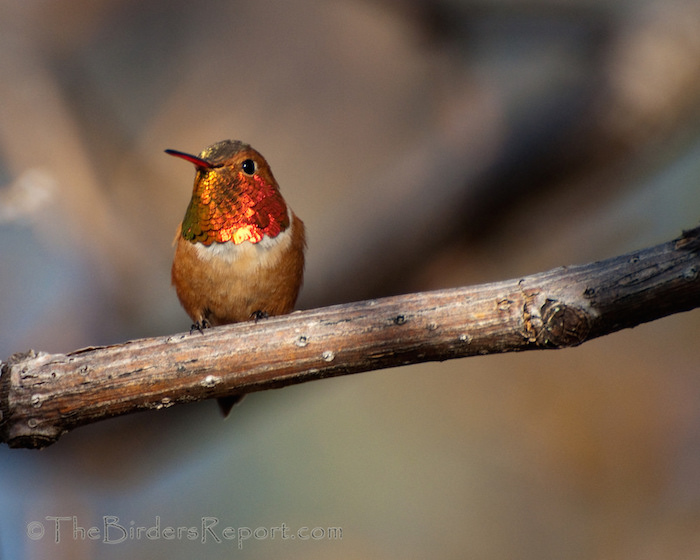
x: 266, y: 252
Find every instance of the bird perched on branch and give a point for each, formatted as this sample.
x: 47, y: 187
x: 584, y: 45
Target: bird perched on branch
x: 239, y: 252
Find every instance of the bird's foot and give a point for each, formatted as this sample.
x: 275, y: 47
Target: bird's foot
x: 259, y: 314
x: 200, y: 326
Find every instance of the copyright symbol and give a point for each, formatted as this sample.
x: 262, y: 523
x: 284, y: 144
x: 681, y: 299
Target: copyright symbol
x: 35, y: 530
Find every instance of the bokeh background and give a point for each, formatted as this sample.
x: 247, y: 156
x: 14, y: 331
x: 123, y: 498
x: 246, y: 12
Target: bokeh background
x: 426, y: 144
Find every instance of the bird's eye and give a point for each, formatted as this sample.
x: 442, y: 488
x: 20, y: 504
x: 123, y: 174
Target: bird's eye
x: 248, y: 166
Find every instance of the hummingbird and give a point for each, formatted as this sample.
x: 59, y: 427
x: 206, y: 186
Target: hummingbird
x: 239, y: 251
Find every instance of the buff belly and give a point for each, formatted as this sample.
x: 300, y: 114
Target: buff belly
x: 226, y: 283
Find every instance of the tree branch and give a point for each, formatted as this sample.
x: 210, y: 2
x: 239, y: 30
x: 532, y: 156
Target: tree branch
x: 42, y: 396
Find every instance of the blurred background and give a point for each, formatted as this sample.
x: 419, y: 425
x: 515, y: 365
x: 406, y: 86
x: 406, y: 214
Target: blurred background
x: 426, y: 144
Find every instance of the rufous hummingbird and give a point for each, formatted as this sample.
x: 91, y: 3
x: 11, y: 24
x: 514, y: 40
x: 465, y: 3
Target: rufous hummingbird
x: 239, y: 252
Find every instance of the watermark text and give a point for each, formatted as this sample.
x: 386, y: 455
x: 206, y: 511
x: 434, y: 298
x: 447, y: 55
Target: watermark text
x: 208, y: 529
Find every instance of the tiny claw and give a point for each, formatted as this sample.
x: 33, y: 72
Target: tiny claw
x: 258, y: 315
x: 200, y: 326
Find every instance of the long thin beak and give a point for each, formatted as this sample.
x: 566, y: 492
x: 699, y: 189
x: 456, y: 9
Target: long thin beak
x: 199, y: 162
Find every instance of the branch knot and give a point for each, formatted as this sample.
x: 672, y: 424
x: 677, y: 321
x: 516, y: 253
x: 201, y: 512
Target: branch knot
x: 562, y: 325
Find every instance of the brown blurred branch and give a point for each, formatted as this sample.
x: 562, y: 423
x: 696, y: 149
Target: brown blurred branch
x: 45, y: 395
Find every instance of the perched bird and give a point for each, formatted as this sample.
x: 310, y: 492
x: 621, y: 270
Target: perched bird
x: 239, y: 252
